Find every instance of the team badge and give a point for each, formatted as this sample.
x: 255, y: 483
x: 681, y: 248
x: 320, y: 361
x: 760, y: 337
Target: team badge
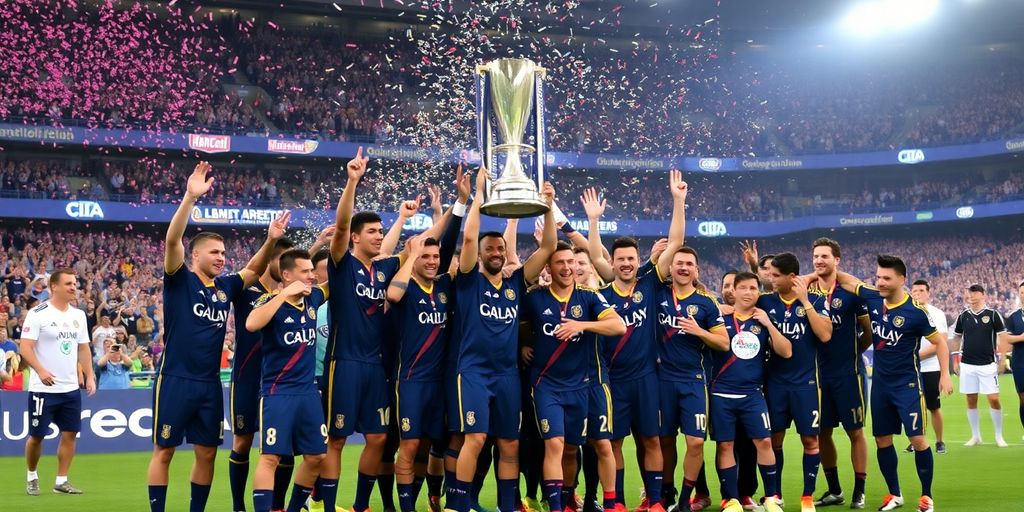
x: 380, y: 276
x: 510, y: 294
x: 692, y: 309
x: 35, y: 422
x: 339, y: 421
x: 311, y: 312
x: 800, y: 311
x: 544, y: 426
x: 221, y: 296
x: 985, y: 319
x: 755, y: 329
x: 442, y: 297
x: 165, y: 432
x: 638, y: 297
x: 471, y: 418
x: 897, y: 321
x: 576, y: 311
x: 324, y: 330
x: 405, y: 425
x: 239, y: 422
x: 837, y: 302
x: 65, y: 347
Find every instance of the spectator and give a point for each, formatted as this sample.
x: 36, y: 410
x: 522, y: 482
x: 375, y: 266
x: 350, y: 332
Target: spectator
x: 113, y: 367
x: 144, y: 328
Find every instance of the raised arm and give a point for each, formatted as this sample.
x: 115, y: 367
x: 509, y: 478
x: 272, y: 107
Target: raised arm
x: 174, y: 250
x: 322, y: 239
x: 511, y: 237
x: 406, y: 210
x: 343, y: 217
x: 258, y: 264
x: 264, y: 313
x: 437, y: 210
x: 677, y: 229
x: 595, y: 209
x: 471, y: 233
x: 400, y: 283
x: 450, y: 237
x: 535, y: 263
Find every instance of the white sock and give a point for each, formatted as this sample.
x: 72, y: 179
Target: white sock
x: 61, y: 479
x: 32, y: 475
x: 972, y: 418
x: 997, y: 421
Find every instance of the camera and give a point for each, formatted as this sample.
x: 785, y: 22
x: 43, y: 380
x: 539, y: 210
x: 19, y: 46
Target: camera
x: 116, y: 347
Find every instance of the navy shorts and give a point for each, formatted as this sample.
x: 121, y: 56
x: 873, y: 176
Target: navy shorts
x: 636, y: 406
x: 292, y: 425
x: 842, y: 402
x: 562, y: 413
x: 418, y: 410
x: 1017, y: 367
x: 599, y: 413
x: 750, y: 411
x: 245, y: 406
x: 684, y: 407
x: 894, y: 405
x: 357, y: 399
x: 61, y: 409
x: 488, y: 405
x: 801, y: 406
x: 186, y: 409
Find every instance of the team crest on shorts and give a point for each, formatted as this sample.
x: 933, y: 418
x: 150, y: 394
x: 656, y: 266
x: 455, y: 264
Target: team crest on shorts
x: 755, y: 329
x: 692, y: 309
x: 837, y: 302
x: 576, y: 311
x: 443, y: 297
x: 471, y: 418
x: 311, y: 312
x: 510, y: 294
x: 239, y: 422
x: 898, y: 321
x: 165, y: 432
x: 405, y: 425
x: 221, y: 296
x: 544, y: 426
x: 800, y: 311
x: 985, y: 319
x: 339, y: 421
x: 638, y: 297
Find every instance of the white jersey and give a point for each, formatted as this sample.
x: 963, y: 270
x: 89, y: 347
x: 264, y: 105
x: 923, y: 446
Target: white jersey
x: 938, y: 318
x: 57, y: 335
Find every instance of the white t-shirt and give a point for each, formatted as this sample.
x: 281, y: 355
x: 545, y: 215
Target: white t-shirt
x: 938, y: 318
x: 57, y: 335
x: 101, y: 333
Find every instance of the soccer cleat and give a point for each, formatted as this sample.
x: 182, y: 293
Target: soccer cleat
x: 828, y: 499
x: 644, y: 506
x: 668, y: 497
x: 277, y: 510
x: 975, y: 441
x: 891, y: 502
x: 657, y: 508
x: 747, y: 502
x: 531, y: 505
x: 32, y: 488
x: 620, y: 507
x: 434, y: 504
x: 1000, y: 442
x: 925, y: 505
x: 66, y: 488
x: 910, y: 448
x: 699, y: 502
x: 858, y: 502
x: 732, y: 505
x: 807, y: 504
x: 940, y: 447
x: 772, y: 504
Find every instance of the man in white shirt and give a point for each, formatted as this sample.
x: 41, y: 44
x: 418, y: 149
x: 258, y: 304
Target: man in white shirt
x: 54, y: 342
x: 101, y: 332
x: 921, y: 292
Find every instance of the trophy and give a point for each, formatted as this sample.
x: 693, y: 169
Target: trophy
x: 510, y: 100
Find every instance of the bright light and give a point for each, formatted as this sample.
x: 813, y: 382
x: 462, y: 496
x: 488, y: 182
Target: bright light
x: 874, y: 17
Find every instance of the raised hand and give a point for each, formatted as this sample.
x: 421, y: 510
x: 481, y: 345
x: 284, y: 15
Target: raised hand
x: 659, y: 247
x: 357, y: 166
x: 326, y: 233
x: 800, y: 287
x: 435, y: 197
x: 481, y: 180
x: 749, y: 252
x: 677, y: 186
x: 462, y: 185
x: 198, y: 183
x: 279, y: 225
x: 548, y: 193
x: 594, y: 207
x: 409, y: 207
x: 415, y: 244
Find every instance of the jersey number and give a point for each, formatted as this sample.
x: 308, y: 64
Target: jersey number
x: 385, y: 415
x: 767, y: 422
x: 38, y: 405
x: 271, y: 436
x: 817, y: 419
x: 702, y: 421
x: 858, y: 414
x: 916, y: 417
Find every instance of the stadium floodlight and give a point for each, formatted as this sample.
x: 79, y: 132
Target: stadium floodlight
x: 873, y: 17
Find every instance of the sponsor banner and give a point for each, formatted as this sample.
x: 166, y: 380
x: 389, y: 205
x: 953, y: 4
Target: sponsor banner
x: 293, y: 147
x: 866, y: 220
x: 234, y: 216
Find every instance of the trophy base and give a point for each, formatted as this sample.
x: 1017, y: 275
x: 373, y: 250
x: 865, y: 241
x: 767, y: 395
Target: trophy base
x: 514, y: 208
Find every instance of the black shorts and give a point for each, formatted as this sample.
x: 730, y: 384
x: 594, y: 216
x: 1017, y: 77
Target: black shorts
x: 930, y: 386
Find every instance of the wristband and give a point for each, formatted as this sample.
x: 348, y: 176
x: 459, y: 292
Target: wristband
x: 459, y: 209
x: 568, y: 229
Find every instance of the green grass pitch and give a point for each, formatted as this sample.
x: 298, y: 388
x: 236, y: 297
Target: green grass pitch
x: 980, y: 478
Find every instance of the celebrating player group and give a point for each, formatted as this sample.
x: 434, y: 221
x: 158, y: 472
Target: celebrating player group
x: 446, y: 362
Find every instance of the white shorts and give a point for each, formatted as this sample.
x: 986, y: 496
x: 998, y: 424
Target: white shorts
x: 975, y: 379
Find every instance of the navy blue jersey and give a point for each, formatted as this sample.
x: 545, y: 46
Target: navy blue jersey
x: 563, y: 365
x: 681, y: 355
x: 896, y: 331
x: 841, y: 356
x: 791, y: 319
x: 196, y: 318
x: 357, y: 313
x: 487, y: 322
x: 422, y: 317
x: 633, y: 355
x: 289, y: 346
x: 740, y: 371
x: 1015, y: 326
x: 248, y: 345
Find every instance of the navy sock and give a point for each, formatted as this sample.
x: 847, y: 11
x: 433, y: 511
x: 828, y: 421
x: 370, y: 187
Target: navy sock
x: 729, y: 477
x: 811, y: 461
x: 282, y: 478
x: 328, y: 492
x: 405, y: 498
x: 859, y: 480
x: 552, y: 490
x: 364, y: 487
x: 925, y: 470
x: 888, y: 463
x: 459, y: 496
x: 701, y: 483
x: 238, y: 475
x: 569, y: 495
x: 770, y: 479
x: 590, y: 474
x: 299, y: 495
x: 262, y: 499
x: 620, y: 486
x: 157, y: 498
x: 778, y: 465
x: 507, y: 491
x: 434, y: 484
x: 475, y: 487
x: 417, y: 486
x: 609, y: 500
x: 317, y: 494
x: 687, y: 491
x: 386, y: 486
x: 1022, y: 414
x: 832, y: 478
x: 200, y: 495
x: 652, y: 482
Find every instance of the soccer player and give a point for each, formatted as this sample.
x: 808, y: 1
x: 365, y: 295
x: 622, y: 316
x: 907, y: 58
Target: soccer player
x: 245, y: 386
x: 736, y: 386
x: 291, y: 418
x: 54, y: 342
x: 921, y: 292
x: 188, y: 400
x: 487, y: 380
x: 632, y: 357
x: 560, y: 314
x: 842, y: 393
x: 689, y: 322
x: 1015, y: 337
x: 897, y: 326
x: 980, y: 331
